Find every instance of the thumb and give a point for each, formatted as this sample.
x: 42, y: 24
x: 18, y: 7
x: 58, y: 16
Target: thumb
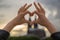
x: 29, y: 22
x: 35, y: 21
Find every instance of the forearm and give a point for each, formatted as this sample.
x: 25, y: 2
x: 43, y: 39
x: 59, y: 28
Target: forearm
x: 10, y: 25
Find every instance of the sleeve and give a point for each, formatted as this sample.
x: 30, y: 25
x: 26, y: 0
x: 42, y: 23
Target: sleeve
x: 4, y: 35
x: 56, y: 36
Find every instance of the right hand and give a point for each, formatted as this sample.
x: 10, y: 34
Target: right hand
x: 42, y: 20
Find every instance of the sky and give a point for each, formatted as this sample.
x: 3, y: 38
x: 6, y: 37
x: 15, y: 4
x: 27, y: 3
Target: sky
x: 53, y: 6
x: 9, y: 9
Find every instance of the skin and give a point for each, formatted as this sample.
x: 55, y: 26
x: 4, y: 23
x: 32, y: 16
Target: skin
x: 42, y: 20
x: 19, y: 19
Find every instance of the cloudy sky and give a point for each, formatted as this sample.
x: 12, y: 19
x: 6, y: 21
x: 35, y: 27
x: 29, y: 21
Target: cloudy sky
x: 53, y: 6
x: 9, y: 9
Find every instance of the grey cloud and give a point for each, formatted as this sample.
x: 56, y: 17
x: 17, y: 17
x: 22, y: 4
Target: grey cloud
x: 51, y: 5
x: 58, y: 14
x: 1, y: 15
x: 1, y: 1
x: 4, y: 4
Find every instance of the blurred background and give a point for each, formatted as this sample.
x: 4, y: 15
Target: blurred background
x: 9, y: 9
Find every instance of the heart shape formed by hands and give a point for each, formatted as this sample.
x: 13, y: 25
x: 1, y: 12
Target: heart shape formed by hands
x: 39, y: 11
x: 32, y: 16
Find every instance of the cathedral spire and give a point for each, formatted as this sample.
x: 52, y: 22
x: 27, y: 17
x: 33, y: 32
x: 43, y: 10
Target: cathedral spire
x: 29, y: 26
x: 35, y: 24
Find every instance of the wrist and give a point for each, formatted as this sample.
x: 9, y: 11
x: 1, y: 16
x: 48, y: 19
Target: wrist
x: 51, y: 27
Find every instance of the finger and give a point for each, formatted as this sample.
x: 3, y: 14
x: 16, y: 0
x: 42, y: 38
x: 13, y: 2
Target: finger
x: 23, y: 14
x: 36, y: 12
x: 26, y: 12
x: 32, y: 13
x: 27, y: 21
x: 36, y: 21
x: 27, y: 7
x: 24, y: 5
x: 36, y: 6
x: 40, y: 6
x: 31, y: 23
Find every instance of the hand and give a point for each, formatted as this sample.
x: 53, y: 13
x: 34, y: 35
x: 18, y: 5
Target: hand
x: 19, y: 19
x: 42, y: 20
x: 21, y: 13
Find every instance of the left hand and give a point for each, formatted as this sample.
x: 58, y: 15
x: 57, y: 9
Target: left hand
x: 21, y: 13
